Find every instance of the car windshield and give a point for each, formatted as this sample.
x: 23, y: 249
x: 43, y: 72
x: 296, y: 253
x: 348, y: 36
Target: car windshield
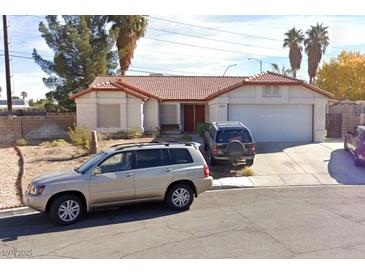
x: 91, y: 162
x: 229, y: 135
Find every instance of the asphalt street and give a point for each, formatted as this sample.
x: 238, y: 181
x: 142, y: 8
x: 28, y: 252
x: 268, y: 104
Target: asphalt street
x: 295, y: 222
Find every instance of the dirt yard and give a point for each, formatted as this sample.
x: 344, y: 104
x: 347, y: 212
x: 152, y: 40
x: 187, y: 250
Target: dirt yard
x: 9, y: 170
x: 41, y: 159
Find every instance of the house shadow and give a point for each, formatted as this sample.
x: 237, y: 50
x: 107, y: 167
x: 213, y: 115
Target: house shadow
x: 341, y: 168
x: 272, y: 147
x: 34, y: 224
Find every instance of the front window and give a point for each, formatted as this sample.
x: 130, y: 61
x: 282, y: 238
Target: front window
x: 271, y: 91
x: 117, y: 162
x: 229, y: 135
x: 91, y: 162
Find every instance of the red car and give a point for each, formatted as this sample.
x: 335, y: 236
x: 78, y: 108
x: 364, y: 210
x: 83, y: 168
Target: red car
x: 355, y: 143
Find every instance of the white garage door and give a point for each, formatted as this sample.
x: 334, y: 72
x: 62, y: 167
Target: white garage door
x: 275, y: 123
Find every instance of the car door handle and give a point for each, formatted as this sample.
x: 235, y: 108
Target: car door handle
x: 168, y: 169
x: 129, y: 174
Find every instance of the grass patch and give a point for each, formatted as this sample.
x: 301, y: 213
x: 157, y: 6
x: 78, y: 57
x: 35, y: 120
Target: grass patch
x: 186, y: 138
x: 244, y: 172
x: 21, y: 142
x: 79, y: 137
x: 54, y: 143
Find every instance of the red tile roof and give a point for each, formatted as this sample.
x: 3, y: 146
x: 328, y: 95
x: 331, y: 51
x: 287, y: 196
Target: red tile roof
x: 189, y: 88
x: 271, y: 77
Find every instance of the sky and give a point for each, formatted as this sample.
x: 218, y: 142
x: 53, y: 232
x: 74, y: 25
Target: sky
x: 189, y: 45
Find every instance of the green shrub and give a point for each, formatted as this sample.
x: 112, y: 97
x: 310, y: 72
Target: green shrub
x: 134, y: 133
x: 21, y: 142
x: 54, y: 143
x: 79, y: 137
x: 186, y: 138
x: 201, y: 127
x: 119, y: 135
x: 245, y: 172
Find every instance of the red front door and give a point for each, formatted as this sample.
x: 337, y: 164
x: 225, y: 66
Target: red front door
x: 199, y: 114
x: 189, y: 118
x: 193, y: 114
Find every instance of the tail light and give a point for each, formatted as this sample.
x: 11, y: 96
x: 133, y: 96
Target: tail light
x: 206, y: 171
x: 214, y: 150
x: 253, y: 149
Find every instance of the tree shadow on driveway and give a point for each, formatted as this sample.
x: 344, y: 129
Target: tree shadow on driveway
x: 341, y: 167
x: 14, y: 227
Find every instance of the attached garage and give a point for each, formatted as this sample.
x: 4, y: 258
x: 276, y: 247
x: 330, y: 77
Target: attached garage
x: 275, y: 123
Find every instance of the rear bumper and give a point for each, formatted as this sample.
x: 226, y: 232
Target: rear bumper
x: 204, y: 184
x: 225, y: 158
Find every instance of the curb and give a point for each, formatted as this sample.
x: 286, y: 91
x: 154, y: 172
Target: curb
x: 5, y: 213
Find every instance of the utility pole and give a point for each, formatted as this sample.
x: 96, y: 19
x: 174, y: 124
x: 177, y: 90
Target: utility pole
x: 7, y: 63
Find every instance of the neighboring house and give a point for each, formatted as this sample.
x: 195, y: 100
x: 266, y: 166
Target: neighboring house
x: 16, y: 104
x: 274, y: 107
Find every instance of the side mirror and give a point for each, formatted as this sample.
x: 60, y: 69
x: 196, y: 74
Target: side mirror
x: 96, y: 171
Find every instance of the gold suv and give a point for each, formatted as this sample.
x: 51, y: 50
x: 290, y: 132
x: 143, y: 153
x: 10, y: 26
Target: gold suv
x: 170, y: 172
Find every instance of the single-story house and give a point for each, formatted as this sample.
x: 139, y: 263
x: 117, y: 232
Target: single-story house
x: 273, y: 106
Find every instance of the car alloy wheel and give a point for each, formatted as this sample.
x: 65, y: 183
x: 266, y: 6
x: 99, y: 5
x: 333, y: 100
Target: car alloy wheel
x: 180, y: 197
x: 69, y: 211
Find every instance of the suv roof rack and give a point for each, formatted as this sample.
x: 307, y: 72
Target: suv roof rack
x: 229, y: 124
x: 155, y: 143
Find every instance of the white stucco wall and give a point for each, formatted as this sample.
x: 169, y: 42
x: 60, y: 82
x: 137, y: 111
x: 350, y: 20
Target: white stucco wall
x: 131, y: 109
x: 151, y: 117
x: 289, y: 95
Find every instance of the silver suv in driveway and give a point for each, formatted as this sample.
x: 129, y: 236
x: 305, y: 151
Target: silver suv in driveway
x: 170, y: 172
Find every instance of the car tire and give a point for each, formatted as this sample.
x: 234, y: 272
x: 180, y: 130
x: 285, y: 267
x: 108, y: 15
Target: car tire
x: 249, y: 162
x: 179, y: 197
x: 66, y: 210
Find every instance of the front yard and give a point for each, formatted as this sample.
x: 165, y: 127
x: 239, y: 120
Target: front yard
x: 9, y: 170
x: 41, y: 159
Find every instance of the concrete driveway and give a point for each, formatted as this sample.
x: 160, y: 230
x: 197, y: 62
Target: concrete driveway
x: 293, y: 164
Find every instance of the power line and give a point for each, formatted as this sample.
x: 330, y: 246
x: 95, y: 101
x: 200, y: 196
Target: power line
x: 171, y: 70
x: 18, y: 56
x: 145, y: 71
x: 213, y: 29
x: 189, y: 55
x: 220, y: 30
x: 216, y: 40
x: 217, y: 49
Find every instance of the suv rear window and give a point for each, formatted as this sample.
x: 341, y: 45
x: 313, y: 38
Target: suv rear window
x: 180, y: 156
x: 148, y: 158
x: 228, y: 135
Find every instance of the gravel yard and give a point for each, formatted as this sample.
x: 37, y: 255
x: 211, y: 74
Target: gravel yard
x: 8, y: 175
x: 41, y: 159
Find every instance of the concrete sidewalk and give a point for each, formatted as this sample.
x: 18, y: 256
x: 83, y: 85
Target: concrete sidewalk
x: 274, y: 181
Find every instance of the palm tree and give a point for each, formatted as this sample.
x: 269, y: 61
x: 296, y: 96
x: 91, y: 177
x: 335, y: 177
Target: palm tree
x: 127, y: 29
x: 284, y: 71
x: 315, y: 46
x: 293, y: 40
x: 24, y: 95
